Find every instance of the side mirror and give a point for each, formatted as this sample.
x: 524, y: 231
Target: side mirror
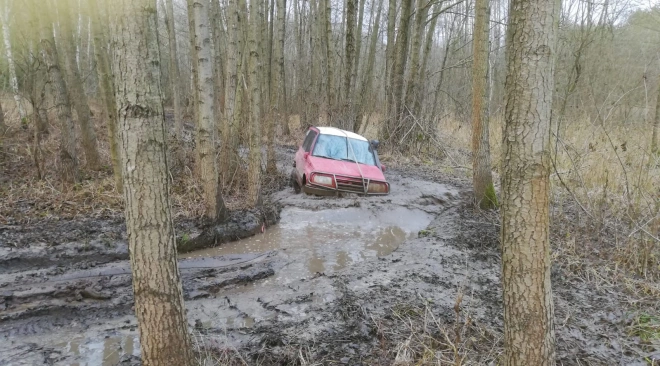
x: 375, y: 143
x: 382, y: 168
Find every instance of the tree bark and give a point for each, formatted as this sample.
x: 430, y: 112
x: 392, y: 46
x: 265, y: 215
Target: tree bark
x: 205, y: 111
x: 68, y: 157
x: 13, y: 79
x: 428, y: 44
x: 234, y: 57
x: 175, y: 75
x: 107, y: 88
x: 75, y: 87
x: 280, y: 74
x: 159, y: 306
x: 413, y: 76
x: 3, y: 131
x: 399, y: 67
x: 349, y: 47
x: 329, y: 55
x: 254, y: 169
x: 529, y: 337
x: 389, y: 49
x: 482, y: 176
x: 656, y: 126
x: 358, y: 45
x: 219, y: 62
x: 367, y: 83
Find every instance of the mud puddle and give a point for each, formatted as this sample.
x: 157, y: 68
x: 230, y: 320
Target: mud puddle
x: 325, y: 241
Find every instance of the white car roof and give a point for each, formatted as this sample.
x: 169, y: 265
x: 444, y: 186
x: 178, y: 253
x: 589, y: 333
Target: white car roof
x: 339, y: 132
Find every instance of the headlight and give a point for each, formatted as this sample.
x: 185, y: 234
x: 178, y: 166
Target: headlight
x: 322, y: 179
x: 378, y: 187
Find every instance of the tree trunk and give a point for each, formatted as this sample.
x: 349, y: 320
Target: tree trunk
x: 358, y: 45
x: 443, y: 64
x: 367, y: 83
x: 389, y: 49
x: 175, y: 75
x: 219, y: 62
x: 234, y: 53
x: 656, y: 126
x: 482, y: 177
x: 205, y: 111
x: 254, y: 169
x: 75, y: 87
x: 329, y: 55
x: 68, y: 158
x: 428, y: 44
x: 159, y: 306
x: 399, y: 68
x: 107, y: 90
x: 280, y: 74
x: 3, y: 131
x: 529, y: 337
x: 349, y: 47
x: 413, y: 75
x: 13, y: 79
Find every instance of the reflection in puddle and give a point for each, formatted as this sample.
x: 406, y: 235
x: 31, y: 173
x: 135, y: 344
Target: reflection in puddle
x: 106, y: 352
x: 329, y: 240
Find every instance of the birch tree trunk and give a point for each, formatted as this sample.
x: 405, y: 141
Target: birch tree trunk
x: 175, y: 75
x: 68, y: 157
x: 13, y: 79
x: 159, y: 306
x: 482, y: 176
x: 107, y: 88
x: 529, y: 337
x: 254, y: 169
x: 3, y: 131
x: 75, y: 87
x: 205, y: 106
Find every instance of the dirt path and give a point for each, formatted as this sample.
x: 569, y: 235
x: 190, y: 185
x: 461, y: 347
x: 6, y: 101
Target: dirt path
x: 414, y: 275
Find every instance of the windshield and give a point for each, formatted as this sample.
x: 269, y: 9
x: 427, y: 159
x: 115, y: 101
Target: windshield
x: 337, y: 147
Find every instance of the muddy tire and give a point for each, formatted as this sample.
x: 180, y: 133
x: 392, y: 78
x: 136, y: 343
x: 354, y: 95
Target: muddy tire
x: 294, y: 182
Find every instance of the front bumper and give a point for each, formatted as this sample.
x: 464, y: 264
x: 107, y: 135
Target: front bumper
x: 343, y: 184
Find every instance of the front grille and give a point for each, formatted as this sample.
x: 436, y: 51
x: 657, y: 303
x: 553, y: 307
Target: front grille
x: 350, y: 184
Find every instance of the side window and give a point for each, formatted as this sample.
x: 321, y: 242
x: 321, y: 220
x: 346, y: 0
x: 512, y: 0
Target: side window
x: 307, y: 144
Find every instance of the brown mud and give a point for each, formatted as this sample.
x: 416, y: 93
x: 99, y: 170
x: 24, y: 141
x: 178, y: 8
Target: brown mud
x: 409, y: 277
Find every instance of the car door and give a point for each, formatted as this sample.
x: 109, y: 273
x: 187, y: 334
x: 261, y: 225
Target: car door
x: 300, y: 154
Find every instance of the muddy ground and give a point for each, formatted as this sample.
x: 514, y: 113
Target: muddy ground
x: 411, y: 277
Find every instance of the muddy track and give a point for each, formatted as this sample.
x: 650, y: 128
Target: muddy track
x: 341, y: 296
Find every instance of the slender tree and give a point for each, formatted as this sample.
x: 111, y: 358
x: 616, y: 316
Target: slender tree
x: 75, y: 86
x: 656, y: 126
x: 68, y: 157
x: 350, y: 47
x: 399, y: 67
x: 107, y: 88
x: 174, y: 74
x: 206, y: 128
x: 232, y: 85
x: 254, y: 169
x: 529, y: 337
x: 482, y: 177
x: 280, y: 83
x: 13, y: 78
x: 159, y: 306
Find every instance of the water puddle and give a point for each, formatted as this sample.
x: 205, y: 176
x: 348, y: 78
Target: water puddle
x: 108, y: 351
x: 328, y: 240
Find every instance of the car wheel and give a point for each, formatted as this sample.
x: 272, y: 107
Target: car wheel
x: 294, y: 182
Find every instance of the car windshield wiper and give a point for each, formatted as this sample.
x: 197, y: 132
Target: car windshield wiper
x: 347, y: 159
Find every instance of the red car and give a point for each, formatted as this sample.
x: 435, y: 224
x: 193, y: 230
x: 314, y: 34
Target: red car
x: 331, y: 160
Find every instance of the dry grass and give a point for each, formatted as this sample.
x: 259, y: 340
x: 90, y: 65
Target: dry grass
x: 25, y: 197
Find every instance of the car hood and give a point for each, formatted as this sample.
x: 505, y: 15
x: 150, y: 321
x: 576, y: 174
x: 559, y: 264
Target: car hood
x: 346, y: 168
